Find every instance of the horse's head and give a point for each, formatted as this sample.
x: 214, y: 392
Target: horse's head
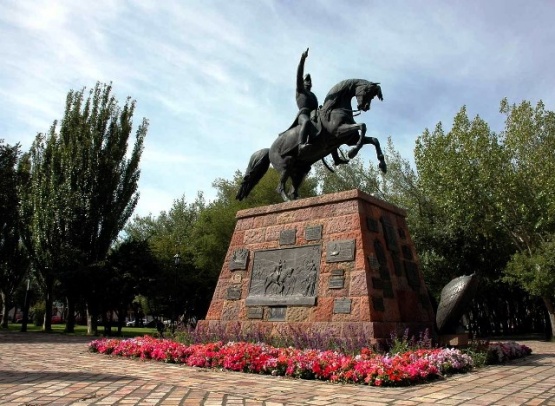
x: 365, y: 93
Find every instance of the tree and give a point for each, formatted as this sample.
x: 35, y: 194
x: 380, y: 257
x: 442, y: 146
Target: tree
x: 527, y: 198
x: 13, y: 259
x: 177, y: 285
x: 82, y: 188
x: 493, y: 195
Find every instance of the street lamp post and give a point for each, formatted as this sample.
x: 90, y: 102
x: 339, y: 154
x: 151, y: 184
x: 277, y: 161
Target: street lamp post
x: 176, y: 261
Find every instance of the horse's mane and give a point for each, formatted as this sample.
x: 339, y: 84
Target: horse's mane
x: 335, y: 93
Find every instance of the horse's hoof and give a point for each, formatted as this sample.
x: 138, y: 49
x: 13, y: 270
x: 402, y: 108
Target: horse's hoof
x: 383, y: 167
x: 352, y: 153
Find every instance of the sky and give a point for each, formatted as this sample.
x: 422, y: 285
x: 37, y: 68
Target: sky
x: 216, y: 79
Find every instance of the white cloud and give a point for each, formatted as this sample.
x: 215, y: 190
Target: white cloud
x: 216, y: 79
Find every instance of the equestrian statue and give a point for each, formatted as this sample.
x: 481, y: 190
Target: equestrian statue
x: 315, y: 133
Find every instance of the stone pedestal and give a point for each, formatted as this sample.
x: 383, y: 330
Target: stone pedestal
x: 453, y: 340
x: 341, y: 264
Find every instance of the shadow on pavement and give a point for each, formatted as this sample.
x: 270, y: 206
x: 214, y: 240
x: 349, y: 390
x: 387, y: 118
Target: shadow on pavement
x: 22, y: 377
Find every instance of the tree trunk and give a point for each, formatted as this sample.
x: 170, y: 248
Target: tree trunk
x: 92, y: 319
x: 5, y: 310
x: 70, y: 321
x: 26, y: 308
x: 551, y: 311
x: 107, y: 321
x: 49, y: 302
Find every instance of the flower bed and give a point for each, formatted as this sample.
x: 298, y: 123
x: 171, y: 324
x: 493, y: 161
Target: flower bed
x: 366, y: 367
x: 502, y: 352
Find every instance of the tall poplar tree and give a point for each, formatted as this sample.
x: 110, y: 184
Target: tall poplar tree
x: 13, y: 260
x: 81, y: 190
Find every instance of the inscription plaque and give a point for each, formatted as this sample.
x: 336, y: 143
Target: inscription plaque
x: 255, y: 312
x: 336, y: 282
x: 337, y: 272
x: 384, y: 273
x: 382, y: 260
x: 340, y: 251
x: 372, y: 224
x: 411, y: 269
x: 374, y: 263
x: 233, y: 293
x: 397, y: 266
x: 277, y: 313
x: 287, y: 237
x: 377, y: 303
x: 239, y: 259
x: 342, y: 306
x: 407, y: 252
x: 388, y: 289
x: 313, y: 233
x: 389, y: 234
x: 287, y: 276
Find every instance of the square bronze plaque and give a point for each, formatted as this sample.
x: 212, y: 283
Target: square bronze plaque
x: 233, y: 293
x: 342, y: 306
x: 389, y: 234
x: 239, y: 259
x: 374, y: 263
x: 340, y: 251
x: 277, y: 313
x: 377, y: 303
x: 377, y: 283
x: 388, y: 289
x: 255, y: 312
x: 413, y: 278
x: 287, y: 237
x: 336, y: 282
x: 372, y: 224
x: 313, y: 233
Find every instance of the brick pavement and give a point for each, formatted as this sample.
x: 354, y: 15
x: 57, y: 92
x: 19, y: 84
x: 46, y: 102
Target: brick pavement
x: 44, y: 369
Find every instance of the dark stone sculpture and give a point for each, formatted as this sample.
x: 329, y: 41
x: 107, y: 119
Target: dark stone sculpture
x: 332, y: 127
x: 455, y: 298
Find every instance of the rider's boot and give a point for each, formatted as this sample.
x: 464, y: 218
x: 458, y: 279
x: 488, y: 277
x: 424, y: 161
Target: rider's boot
x: 303, y: 138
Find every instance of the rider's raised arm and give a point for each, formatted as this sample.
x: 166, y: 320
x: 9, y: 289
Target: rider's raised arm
x: 300, y: 72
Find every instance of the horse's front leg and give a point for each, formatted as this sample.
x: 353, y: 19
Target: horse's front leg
x: 360, y: 128
x: 374, y: 141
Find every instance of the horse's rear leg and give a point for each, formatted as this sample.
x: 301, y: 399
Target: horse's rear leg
x: 296, y: 181
x: 281, y: 186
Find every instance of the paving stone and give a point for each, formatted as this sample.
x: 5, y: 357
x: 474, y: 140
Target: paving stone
x: 59, y: 370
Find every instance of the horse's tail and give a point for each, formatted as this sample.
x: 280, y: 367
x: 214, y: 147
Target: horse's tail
x: 258, y: 166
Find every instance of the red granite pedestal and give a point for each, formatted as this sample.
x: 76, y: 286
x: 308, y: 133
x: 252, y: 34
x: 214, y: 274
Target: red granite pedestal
x: 341, y: 264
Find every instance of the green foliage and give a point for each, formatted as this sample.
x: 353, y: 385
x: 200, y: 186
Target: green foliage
x: 13, y: 260
x: 38, y: 310
x: 177, y: 288
x: 535, y: 272
x: 354, y: 175
x: 492, y: 196
x: 81, y: 185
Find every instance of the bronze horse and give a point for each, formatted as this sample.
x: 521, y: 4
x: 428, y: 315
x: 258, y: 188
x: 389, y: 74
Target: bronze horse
x: 335, y: 126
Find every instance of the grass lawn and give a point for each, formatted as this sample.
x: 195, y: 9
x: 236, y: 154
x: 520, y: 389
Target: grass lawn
x: 82, y: 330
